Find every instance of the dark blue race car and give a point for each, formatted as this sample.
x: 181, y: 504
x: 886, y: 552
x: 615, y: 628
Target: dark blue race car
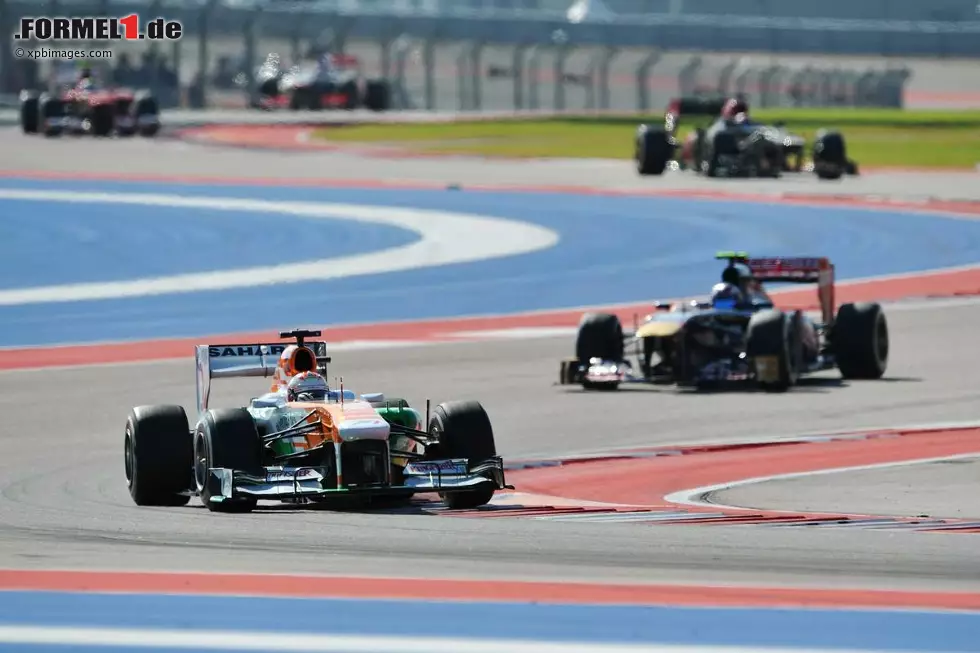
x: 737, y: 335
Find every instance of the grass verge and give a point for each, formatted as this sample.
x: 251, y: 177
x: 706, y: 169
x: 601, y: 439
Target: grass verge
x: 875, y: 137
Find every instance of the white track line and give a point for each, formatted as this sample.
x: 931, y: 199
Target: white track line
x: 447, y: 238
x: 695, y: 496
x: 131, y: 638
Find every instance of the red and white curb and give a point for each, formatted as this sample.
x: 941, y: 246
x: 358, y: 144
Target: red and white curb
x: 685, y: 506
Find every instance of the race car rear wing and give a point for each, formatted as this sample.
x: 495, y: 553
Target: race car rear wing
x: 222, y: 361
x: 791, y: 269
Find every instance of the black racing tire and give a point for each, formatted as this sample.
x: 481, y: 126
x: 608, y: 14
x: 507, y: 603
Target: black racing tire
x: 353, y: 94
x: 30, y: 115
x: 600, y: 335
x: 103, y: 119
x: 722, y: 144
x: 147, y: 106
x: 464, y: 431
x: 830, y: 155
x: 377, y: 95
x: 304, y: 99
x: 269, y: 87
x: 652, y: 150
x: 226, y: 438
x: 158, y: 456
x: 313, y: 97
x: 124, y: 109
x: 774, y: 338
x: 860, y: 341
x: 51, y: 108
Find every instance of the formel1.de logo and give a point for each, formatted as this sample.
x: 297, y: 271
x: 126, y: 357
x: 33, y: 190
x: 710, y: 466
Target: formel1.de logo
x: 102, y: 28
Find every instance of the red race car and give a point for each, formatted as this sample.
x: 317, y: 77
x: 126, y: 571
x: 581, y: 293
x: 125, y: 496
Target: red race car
x: 89, y: 107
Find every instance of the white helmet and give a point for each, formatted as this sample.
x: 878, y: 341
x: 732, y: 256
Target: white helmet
x: 307, y: 386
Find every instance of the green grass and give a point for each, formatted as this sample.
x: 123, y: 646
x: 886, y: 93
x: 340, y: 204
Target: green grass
x: 875, y: 137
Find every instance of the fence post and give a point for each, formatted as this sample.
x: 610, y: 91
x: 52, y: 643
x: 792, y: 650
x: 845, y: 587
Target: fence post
x: 741, y: 82
x: 251, y: 25
x: 201, y: 80
x: 388, y: 39
x: 534, y: 69
x: 517, y: 67
x: 643, y: 80
x: 463, y: 78
x: 403, y: 46
x: 340, y: 35
x: 295, y: 36
x: 476, y: 65
x: 429, y: 62
x: 769, y: 86
x: 562, y: 50
x: 687, y: 78
x: 176, y: 56
x: 725, y: 77
x: 6, y: 74
x: 154, y: 50
x: 605, y: 63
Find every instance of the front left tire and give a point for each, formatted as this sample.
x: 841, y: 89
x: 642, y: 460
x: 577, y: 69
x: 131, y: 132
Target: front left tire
x: 158, y: 456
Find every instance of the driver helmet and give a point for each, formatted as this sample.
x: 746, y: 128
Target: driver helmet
x: 307, y: 386
x: 733, y: 107
x: 726, y: 292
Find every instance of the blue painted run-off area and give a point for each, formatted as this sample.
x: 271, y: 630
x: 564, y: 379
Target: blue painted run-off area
x: 748, y: 627
x: 612, y: 249
x: 48, y: 243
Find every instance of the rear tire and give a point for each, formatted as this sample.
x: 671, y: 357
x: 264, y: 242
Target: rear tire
x: 29, y: 113
x: 158, y: 456
x: 860, y: 341
x: 653, y: 150
x: 723, y: 144
x: 51, y: 108
x: 829, y: 156
x: 377, y: 95
x: 103, y: 120
x: 147, y: 107
x: 226, y: 438
x: 269, y: 87
x: 774, y: 345
x: 464, y: 431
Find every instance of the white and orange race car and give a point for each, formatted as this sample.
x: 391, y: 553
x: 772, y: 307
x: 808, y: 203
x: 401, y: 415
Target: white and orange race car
x: 305, y: 443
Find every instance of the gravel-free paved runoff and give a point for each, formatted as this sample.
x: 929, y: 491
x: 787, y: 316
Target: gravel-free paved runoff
x: 943, y: 489
x: 63, y: 499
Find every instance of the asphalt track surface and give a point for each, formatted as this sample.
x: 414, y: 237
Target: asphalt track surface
x: 938, y: 489
x: 133, y: 158
x: 63, y: 502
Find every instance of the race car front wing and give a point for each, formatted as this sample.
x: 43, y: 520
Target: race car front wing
x: 443, y: 476
x: 598, y: 371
